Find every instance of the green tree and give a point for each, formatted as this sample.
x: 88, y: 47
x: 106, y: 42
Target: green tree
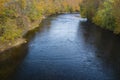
x: 104, y: 16
x: 88, y: 8
x: 116, y: 13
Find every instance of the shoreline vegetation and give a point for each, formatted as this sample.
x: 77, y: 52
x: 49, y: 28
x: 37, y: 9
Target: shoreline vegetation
x: 103, y: 13
x: 19, y: 41
x: 17, y: 17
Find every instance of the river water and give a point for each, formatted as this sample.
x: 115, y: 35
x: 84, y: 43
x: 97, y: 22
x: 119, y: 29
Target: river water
x: 64, y: 47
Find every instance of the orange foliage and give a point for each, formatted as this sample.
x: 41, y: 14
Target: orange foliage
x: 2, y: 5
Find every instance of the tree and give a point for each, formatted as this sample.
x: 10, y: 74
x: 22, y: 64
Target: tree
x: 116, y: 13
x: 88, y: 8
x: 104, y: 16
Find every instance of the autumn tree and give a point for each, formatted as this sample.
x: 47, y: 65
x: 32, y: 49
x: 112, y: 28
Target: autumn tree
x: 105, y: 17
x: 88, y: 8
x: 116, y: 13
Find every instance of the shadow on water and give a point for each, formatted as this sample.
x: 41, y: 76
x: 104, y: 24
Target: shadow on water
x: 10, y: 60
x: 107, y: 47
x: 32, y: 34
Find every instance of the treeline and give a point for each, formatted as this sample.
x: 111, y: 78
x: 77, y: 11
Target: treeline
x: 16, y: 16
x: 104, y: 13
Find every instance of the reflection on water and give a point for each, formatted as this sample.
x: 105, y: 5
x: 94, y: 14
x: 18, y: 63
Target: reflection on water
x: 107, y: 47
x: 64, y: 47
x: 10, y: 60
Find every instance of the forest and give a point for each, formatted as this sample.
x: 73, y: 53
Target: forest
x: 19, y: 16
x: 104, y: 13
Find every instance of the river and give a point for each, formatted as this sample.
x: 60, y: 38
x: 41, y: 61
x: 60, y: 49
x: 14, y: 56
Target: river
x: 64, y: 47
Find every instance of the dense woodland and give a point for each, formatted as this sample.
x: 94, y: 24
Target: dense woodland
x: 104, y: 13
x: 16, y: 16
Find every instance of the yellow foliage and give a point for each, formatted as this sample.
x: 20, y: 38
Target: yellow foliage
x: 2, y: 5
x: 15, y: 12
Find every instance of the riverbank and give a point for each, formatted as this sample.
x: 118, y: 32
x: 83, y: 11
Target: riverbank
x: 104, y: 14
x: 31, y: 26
x: 19, y: 41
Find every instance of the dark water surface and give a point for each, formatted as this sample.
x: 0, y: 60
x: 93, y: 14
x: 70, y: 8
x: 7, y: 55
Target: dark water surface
x: 64, y: 47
